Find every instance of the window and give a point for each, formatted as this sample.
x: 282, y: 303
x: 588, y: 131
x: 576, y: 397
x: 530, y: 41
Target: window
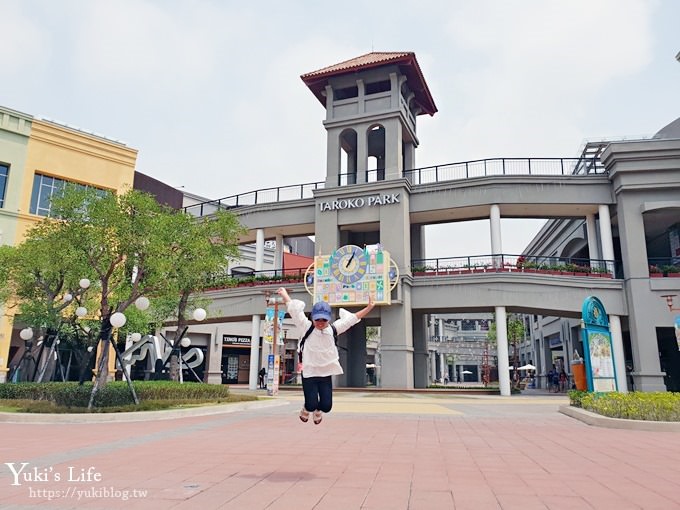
x: 4, y: 173
x: 44, y: 187
x: 346, y: 93
x: 377, y: 87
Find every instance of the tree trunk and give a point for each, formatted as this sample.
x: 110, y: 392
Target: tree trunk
x: 175, y: 368
x: 103, y: 364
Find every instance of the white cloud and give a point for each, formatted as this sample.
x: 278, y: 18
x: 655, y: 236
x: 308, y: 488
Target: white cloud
x: 209, y: 91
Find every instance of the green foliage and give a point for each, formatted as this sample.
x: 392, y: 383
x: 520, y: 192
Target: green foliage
x: 114, y: 394
x: 129, y: 246
x: 653, y: 406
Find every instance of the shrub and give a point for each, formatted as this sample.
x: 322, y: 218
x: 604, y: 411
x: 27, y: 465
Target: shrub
x: 653, y: 406
x: 114, y: 394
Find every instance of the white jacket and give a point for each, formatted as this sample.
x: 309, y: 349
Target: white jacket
x: 320, y: 354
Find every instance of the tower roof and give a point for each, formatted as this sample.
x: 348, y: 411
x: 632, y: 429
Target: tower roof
x: 317, y: 80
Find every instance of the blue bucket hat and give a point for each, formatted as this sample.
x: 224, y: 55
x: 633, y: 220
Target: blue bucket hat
x: 321, y: 310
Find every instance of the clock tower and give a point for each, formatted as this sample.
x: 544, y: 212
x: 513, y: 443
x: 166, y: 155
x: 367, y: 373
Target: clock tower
x: 372, y: 103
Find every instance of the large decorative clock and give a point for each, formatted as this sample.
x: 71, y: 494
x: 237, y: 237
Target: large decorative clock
x: 351, y: 274
x: 348, y: 264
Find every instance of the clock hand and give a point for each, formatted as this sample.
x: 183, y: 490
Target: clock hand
x: 350, y: 259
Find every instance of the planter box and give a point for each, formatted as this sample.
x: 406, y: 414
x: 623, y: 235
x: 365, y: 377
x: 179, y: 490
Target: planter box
x: 530, y: 270
x: 580, y: 274
x: 673, y: 275
x: 656, y: 275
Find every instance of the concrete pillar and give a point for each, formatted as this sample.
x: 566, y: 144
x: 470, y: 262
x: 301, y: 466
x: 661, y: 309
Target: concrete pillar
x: 333, y: 160
x: 393, y: 149
x: 214, y: 369
x: 433, y: 366
x: 278, y: 253
x: 593, y: 246
x: 619, y: 356
x: 502, y: 346
x: 420, y: 351
x: 255, y: 321
x: 496, y: 244
x: 355, y: 375
x: 606, y: 237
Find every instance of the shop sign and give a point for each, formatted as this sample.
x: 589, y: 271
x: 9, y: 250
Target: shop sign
x: 235, y: 340
x: 359, y: 202
x: 597, y: 347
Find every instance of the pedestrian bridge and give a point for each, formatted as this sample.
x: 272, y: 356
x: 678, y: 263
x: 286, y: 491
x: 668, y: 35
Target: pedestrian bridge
x: 531, y: 293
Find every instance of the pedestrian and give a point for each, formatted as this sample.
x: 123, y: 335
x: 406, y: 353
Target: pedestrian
x: 563, y: 380
x: 260, y: 377
x: 320, y: 358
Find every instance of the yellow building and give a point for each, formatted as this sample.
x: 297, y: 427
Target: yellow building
x: 37, y: 157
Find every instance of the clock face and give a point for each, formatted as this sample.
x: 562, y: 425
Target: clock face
x: 348, y: 264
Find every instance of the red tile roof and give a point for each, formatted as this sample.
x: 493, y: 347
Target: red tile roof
x: 317, y: 80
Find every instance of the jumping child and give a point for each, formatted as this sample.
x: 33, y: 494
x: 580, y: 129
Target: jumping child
x: 320, y: 359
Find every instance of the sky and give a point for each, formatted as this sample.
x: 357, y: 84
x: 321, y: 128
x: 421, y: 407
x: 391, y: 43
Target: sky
x: 209, y: 91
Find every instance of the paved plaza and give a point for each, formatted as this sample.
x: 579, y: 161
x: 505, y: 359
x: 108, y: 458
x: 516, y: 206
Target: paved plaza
x: 374, y: 451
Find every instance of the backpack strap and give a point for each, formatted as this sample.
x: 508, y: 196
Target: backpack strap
x: 309, y: 332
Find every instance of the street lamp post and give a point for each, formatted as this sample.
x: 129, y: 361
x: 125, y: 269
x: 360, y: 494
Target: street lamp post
x: 26, y: 335
x: 273, y: 361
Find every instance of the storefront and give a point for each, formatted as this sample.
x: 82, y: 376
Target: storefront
x: 235, y: 359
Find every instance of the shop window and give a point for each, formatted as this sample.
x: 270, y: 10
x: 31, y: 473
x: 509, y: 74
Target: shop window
x: 45, y: 187
x: 4, y: 174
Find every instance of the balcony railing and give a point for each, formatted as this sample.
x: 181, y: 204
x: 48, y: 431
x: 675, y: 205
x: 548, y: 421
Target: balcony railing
x: 665, y: 266
x: 439, y: 267
x: 426, y: 175
x: 228, y: 279
x: 261, y: 196
x: 516, y: 263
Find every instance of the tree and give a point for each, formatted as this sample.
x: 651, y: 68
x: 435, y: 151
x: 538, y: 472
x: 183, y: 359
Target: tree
x: 37, y: 282
x: 200, y: 249
x: 130, y: 246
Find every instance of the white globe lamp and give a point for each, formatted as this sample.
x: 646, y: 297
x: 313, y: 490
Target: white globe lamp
x: 118, y: 320
x: 26, y: 334
x: 200, y: 314
x: 142, y: 303
x: 84, y: 283
x: 185, y: 342
x: 81, y: 311
x: 136, y: 337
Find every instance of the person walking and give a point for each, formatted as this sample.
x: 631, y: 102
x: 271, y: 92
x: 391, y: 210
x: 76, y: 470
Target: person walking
x: 260, y: 377
x: 320, y: 358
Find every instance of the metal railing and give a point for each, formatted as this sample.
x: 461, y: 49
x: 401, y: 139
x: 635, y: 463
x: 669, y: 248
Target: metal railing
x: 261, y: 196
x: 515, y: 263
x: 503, y: 166
x: 268, y: 276
x: 426, y: 175
x: 439, y: 267
x: 664, y: 265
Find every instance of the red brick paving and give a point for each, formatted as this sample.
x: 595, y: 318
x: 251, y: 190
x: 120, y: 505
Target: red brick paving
x: 493, y: 453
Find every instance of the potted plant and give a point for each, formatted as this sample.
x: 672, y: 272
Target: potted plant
x: 655, y: 272
x: 581, y: 270
x: 672, y: 271
x: 529, y: 267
